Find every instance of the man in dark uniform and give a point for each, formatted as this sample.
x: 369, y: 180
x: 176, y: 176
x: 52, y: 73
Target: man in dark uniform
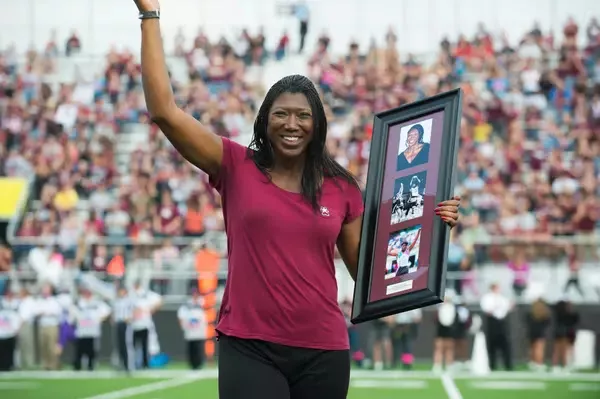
x: 122, y: 313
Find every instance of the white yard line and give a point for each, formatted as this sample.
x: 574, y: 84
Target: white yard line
x: 388, y: 384
x: 148, y: 388
x: 450, y: 387
x: 497, y: 375
x: 510, y: 385
x: 21, y: 386
x: 361, y: 374
x: 584, y: 387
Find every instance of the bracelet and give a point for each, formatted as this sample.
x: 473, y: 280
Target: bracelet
x: 149, y: 14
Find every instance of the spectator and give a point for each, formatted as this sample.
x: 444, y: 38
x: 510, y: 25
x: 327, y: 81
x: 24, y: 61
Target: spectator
x: 282, y: 46
x: 73, y: 44
x: 565, y: 328
x: 65, y: 198
x: 537, y: 321
x: 165, y: 260
x: 302, y: 13
x: 49, y: 310
x: 574, y: 268
x: 520, y: 268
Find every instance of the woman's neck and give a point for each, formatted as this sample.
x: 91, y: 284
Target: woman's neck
x: 290, y: 168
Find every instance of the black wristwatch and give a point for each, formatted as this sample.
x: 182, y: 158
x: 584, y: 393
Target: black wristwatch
x: 150, y: 14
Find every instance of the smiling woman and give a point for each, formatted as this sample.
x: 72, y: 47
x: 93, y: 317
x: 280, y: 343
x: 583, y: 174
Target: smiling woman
x: 289, y: 139
x: 286, y: 204
x: 414, y: 145
x: 291, y: 123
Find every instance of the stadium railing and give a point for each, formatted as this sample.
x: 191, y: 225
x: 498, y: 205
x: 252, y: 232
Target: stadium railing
x: 203, y: 261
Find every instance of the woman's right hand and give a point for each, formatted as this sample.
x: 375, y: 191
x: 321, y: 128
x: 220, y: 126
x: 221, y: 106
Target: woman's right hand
x: 147, y: 5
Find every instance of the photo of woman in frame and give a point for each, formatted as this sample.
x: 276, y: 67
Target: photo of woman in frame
x: 414, y: 145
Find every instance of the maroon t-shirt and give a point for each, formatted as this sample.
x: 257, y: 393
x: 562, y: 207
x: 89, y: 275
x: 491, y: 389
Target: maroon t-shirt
x: 281, y: 285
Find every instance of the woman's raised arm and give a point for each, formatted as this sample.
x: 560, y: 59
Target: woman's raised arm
x: 194, y: 141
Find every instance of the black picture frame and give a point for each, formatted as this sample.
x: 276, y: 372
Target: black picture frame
x: 441, y: 166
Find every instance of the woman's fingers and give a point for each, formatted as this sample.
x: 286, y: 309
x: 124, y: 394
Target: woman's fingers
x: 448, y: 214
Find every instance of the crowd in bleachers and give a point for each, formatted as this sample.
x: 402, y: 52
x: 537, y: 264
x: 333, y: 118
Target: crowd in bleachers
x: 528, y: 163
x: 529, y: 158
x: 73, y: 163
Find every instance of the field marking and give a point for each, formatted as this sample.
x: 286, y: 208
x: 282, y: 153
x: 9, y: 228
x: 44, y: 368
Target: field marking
x: 584, y: 387
x: 510, y: 385
x: 364, y: 374
x: 495, y: 375
x: 147, y: 388
x: 104, y: 374
x: 402, y: 384
x: 450, y: 387
x: 18, y: 385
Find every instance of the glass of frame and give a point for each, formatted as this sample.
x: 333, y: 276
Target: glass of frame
x: 404, y: 245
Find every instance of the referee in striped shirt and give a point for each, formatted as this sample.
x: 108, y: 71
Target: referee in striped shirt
x: 122, y: 314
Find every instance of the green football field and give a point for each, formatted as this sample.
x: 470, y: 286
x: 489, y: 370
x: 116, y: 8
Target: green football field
x: 365, y: 384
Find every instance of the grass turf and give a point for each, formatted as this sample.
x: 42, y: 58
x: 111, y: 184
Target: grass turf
x: 365, y: 384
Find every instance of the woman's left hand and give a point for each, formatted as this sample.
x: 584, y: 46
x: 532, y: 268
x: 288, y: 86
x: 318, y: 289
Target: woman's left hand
x: 448, y: 210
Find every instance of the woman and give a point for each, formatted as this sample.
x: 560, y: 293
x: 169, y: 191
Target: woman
x: 520, y: 269
x: 457, y: 257
x: 574, y: 269
x: 537, y: 321
x: 462, y: 326
x: 565, y: 327
x: 192, y: 320
x: 87, y: 314
x: 403, y: 335
x: 415, y: 197
x: 286, y: 205
x: 403, y: 262
x: 443, y: 352
x: 417, y: 150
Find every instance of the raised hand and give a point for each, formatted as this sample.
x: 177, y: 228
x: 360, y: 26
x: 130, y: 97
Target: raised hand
x: 147, y: 5
x: 448, y: 210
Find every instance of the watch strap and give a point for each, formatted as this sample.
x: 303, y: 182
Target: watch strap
x: 155, y: 14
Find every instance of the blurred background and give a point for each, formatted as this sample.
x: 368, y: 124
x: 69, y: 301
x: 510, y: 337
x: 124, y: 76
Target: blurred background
x: 92, y: 195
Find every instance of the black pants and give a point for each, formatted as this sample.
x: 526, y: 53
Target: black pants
x: 573, y: 281
x: 196, y: 354
x: 519, y: 289
x: 497, y: 341
x: 140, y: 340
x: 597, y: 351
x: 7, y: 353
x: 85, y: 347
x: 303, y: 32
x: 124, y: 335
x: 253, y: 369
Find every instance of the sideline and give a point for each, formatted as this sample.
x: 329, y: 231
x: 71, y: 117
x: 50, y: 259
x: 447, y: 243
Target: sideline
x: 360, y: 374
x: 149, y: 388
x: 105, y: 374
x: 450, y: 387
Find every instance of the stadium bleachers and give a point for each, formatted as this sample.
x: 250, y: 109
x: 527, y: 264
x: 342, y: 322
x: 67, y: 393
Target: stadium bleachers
x: 100, y: 106
x: 98, y: 177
